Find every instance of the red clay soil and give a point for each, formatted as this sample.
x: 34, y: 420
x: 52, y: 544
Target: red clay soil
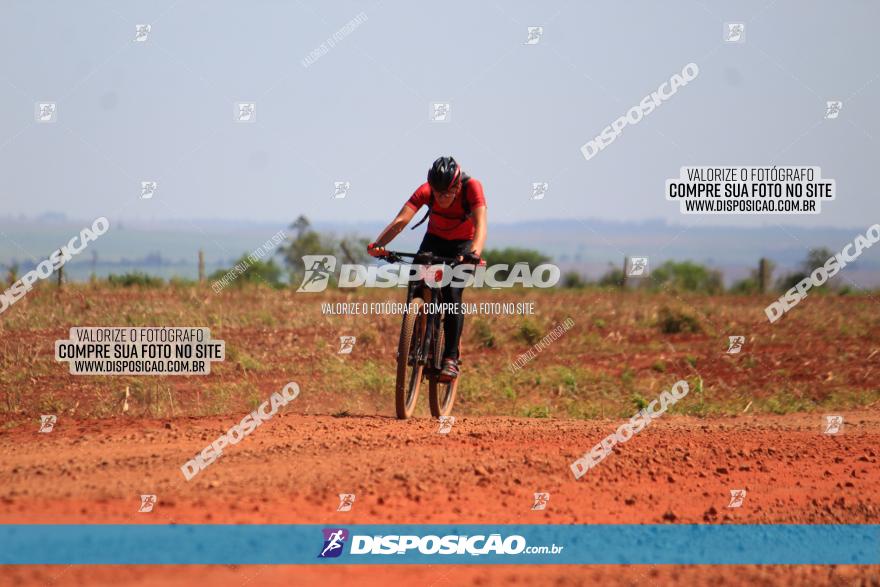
x: 290, y: 470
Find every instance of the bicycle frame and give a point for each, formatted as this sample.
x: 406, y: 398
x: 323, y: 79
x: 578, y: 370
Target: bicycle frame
x: 431, y: 329
x: 419, y: 352
x: 423, y: 354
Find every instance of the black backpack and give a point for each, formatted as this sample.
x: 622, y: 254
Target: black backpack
x: 464, y: 204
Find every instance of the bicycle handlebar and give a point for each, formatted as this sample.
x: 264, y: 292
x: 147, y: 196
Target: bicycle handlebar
x: 397, y: 257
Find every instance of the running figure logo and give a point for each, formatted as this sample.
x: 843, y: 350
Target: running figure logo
x: 832, y: 109
x: 637, y: 266
x: 47, y: 112
x: 446, y: 423
x: 340, y: 189
x: 735, y: 344
x: 245, y: 111
x: 541, y: 500
x: 346, y: 500
x: 440, y: 112
x: 736, y: 498
x: 318, y: 270
x: 142, y: 32
x: 47, y: 423
x: 734, y: 32
x: 833, y: 424
x: 346, y: 344
x: 147, y: 503
x: 148, y: 189
x: 535, y: 34
x: 539, y: 189
x: 334, y: 540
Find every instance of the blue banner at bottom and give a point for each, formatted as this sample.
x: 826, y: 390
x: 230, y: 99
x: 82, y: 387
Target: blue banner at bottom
x: 691, y: 544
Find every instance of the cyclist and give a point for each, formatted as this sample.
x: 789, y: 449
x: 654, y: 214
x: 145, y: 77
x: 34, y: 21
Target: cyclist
x: 456, y: 228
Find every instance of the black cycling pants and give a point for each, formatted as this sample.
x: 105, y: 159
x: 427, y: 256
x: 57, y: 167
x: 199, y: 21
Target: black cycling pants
x: 454, y: 322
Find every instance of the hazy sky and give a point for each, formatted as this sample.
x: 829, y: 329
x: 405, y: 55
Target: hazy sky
x: 164, y: 109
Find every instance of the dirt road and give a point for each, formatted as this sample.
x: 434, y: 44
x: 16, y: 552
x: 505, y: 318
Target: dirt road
x: 486, y: 470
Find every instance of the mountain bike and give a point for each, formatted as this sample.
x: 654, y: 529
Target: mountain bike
x: 420, y: 349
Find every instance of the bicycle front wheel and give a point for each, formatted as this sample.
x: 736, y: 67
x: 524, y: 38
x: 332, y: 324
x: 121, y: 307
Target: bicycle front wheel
x: 409, y: 365
x: 441, y: 396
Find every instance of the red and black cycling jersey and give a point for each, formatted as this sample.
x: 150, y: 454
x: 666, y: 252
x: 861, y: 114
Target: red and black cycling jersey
x: 454, y: 222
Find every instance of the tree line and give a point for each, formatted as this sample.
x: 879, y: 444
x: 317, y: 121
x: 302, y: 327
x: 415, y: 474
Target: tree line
x: 684, y: 276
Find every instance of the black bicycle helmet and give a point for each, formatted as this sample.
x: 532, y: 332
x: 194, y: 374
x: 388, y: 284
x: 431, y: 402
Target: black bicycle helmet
x: 443, y: 173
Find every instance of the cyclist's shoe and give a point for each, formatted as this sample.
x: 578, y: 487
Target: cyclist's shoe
x: 450, y: 370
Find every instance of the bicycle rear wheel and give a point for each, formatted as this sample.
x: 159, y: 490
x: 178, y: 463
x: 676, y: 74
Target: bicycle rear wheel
x: 409, y: 373
x: 441, y: 396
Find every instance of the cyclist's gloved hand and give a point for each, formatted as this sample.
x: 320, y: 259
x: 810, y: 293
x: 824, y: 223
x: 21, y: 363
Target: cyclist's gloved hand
x: 473, y: 258
x: 375, y: 250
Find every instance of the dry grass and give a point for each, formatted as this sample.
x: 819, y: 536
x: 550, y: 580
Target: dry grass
x: 620, y: 353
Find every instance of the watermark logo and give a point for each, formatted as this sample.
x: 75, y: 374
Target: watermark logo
x: 734, y: 32
x: 253, y: 257
x: 534, y: 35
x: 833, y: 424
x: 346, y: 501
x: 446, y: 423
x: 46, y: 111
x: 240, y: 431
x: 144, y: 350
x: 147, y: 503
x: 142, y: 32
x: 346, y: 344
x: 750, y: 190
x: 637, y: 267
x: 451, y: 544
x: 319, y: 268
x: 823, y: 273
x: 628, y: 429
x: 541, y: 500
x: 539, y: 190
x: 56, y: 260
x: 334, y: 541
x: 148, y: 189
x: 340, y: 189
x: 333, y: 39
x: 735, y: 344
x: 47, y: 423
x: 832, y: 109
x: 440, y: 112
x: 245, y: 112
x: 737, y: 496
x: 539, y: 346
x: 645, y: 106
